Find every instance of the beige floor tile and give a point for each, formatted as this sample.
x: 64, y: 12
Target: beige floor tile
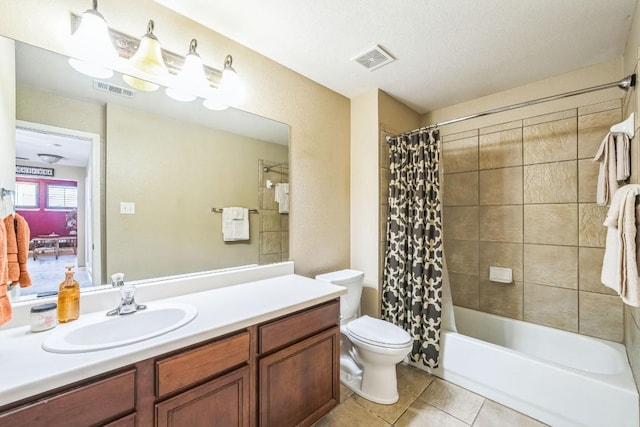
x: 345, y: 393
x: 389, y: 413
x: 421, y: 414
x: 494, y: 414
x: 350, y: 414
x: 412, y: 380
x: 453, y: 399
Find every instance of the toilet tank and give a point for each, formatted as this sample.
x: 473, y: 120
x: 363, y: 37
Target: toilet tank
x: 353, y: 281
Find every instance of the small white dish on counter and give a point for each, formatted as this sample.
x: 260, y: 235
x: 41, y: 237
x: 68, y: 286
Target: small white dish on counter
x: 101, y: 332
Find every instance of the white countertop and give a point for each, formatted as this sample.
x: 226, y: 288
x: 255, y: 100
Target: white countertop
x: 26, y: 369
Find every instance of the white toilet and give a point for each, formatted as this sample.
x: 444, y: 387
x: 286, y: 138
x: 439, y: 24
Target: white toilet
x: 370, y: 348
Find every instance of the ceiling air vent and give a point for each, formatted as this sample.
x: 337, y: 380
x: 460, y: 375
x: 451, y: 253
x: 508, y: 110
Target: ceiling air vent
x: 116, y: 90
x: 373, y: 58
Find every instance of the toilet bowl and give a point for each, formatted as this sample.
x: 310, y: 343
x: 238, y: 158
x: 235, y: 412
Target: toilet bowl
x: 370, y: 348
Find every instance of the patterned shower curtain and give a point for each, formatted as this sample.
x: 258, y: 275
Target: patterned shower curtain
x: 413, y: 266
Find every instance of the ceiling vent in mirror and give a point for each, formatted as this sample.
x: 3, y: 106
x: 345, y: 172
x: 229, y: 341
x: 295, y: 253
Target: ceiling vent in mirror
x: 117, y: 90
x: 373, y: 58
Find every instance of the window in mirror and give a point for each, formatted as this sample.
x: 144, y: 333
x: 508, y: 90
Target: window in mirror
x: 26, y: 195
x: 62, y: 196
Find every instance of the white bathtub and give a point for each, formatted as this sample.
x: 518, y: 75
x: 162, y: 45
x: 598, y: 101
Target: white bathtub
x: 560, y: 378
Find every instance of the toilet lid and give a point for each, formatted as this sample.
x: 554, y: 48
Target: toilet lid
x: 378, y: 332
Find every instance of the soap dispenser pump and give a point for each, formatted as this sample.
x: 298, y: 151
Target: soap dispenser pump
x: 68, y: 298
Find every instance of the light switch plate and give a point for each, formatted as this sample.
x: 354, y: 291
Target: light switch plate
x: 127, y: 208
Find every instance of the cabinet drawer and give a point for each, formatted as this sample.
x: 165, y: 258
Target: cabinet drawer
x: 295, y: 327
x: 91, y: 404
x: 194, y: 366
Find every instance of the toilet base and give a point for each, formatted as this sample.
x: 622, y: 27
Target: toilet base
x: 353, y: 381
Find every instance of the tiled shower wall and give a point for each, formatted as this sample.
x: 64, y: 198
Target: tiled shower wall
x: 522, y: 195
x: 274, y: 226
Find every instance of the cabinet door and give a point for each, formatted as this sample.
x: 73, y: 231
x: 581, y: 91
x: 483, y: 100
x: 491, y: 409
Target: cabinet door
x: 301, y: 383
x: 221, y: 402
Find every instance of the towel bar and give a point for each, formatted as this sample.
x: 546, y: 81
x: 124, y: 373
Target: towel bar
x: 219, y: 210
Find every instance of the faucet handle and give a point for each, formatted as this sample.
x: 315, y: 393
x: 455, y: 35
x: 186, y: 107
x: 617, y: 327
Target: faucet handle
x: 117, y: 280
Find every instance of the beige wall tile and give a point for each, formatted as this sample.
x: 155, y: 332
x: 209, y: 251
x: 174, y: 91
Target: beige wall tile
x: 501, y: 186
x: 284, y: 222
x: 592, y: 232
x: 501, y: 127
x: 270, y: 242
x: 587, y: 180
x: 270, y: 220
x: 551, y: 224
x: 464, y: 289
x: 267, y: 198
x: 501, y: 223
x: 382, y: 222
x: 632, y: 341
x: 459, y: 135
x: 551, y: 117
x: 462, y: 256
x: 460, y: 189
x: 501, y: 298
x: 270, y: 258
x: 551, y: 265
x: 589, y: 270
x: 501, y: 149
x: 601, y: 106
x: 592, y: 128
x: 551, y: 306
x: 551, y: 182
x: 550, y: 142
x: 385, y: 179
x: 383, y: 151
x: 285, y: 241
x: 601, y: 316
x: 498, y: 254
x: 461, y: 222
x: 460, y: 155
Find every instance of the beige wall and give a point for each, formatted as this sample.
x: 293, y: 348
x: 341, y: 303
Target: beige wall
x: 319, y: 118
x: 174, y: 230
x: 364, y: 194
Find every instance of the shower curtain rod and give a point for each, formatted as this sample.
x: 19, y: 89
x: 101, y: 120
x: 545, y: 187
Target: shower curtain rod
x: 625, y: 84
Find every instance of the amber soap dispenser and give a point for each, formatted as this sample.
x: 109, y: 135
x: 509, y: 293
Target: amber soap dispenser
x: 68, y: 298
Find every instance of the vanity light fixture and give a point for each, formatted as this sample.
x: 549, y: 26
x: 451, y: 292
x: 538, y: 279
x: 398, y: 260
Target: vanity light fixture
x: 191, y: 80
x: 230, y: 87
x: 147, y: 63
x: 50, y: 158
x: 93, y: 52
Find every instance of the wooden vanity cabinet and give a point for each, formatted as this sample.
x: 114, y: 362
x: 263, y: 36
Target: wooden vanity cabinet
x: 96, y: 401
x: 299, y: 367
x: 222, y: 400
x: 279, y: 373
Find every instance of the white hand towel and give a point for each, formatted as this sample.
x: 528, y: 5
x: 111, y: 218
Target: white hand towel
x: 620, y: 263
x: 235, y: 224
x: 607, y: 183
x: 282, y: 197
x: 623, y: 165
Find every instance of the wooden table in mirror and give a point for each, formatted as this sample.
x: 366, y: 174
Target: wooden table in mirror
x: 51, y: 244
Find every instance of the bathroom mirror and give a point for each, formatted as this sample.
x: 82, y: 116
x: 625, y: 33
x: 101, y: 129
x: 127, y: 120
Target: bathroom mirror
x: 169, y: 162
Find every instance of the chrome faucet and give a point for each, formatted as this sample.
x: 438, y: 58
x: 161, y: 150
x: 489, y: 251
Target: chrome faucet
x: 127, y: 292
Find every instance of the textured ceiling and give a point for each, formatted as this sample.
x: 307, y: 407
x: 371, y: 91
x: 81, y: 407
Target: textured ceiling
x: 447, y: 51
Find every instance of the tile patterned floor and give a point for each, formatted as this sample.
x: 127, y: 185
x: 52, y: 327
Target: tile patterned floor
x: 47, y: 272
x: 425, y: 400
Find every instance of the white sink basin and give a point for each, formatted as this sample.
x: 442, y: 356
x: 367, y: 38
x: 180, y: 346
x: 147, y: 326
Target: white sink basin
x: 102, y: 332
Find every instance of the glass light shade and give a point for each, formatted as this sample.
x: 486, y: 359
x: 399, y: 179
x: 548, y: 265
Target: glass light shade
x: 231, y: 88
x: 147, y: 62
x: 214, y: 100
x: 191, y: 81
x: 91, y: 47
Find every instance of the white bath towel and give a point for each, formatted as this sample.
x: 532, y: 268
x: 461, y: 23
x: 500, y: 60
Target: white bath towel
x: 614, y: 159
x: 282, y: 197
x: 620, y: 263
x: 235, y: 224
